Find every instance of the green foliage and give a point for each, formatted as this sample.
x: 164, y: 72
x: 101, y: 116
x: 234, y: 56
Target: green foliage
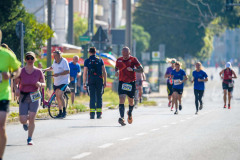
x: 142, y: 39
x: 36, y: 34
x: 181, y: 27
x: 80, y: 27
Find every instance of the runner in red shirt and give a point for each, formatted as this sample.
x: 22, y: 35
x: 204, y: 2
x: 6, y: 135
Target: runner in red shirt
x: 227, y: 75
x: 126, y: 66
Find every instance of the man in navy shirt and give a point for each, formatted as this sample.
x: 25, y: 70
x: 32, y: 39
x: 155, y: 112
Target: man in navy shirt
x: 75, y: 72
x: 94, y: 69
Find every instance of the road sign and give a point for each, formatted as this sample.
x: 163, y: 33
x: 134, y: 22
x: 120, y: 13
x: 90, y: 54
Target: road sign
x: 18, y: 29
x: 84, y: 38
x: 155, y: 56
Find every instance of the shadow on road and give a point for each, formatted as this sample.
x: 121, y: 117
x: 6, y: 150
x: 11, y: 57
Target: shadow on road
x: 94, y: 126
x: 15, y: 145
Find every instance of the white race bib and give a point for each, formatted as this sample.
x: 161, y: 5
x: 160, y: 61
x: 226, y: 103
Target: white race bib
x: 0, y: 77
x: 35, y: 96
x: 230, y: 84
x: 177, y: 82
x: 126, y: 87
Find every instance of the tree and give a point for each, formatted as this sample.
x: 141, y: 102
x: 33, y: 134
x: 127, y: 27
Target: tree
x: 186, y: 27
x: 80, y: 27
x: 142, y: 39
x: 36, y: 34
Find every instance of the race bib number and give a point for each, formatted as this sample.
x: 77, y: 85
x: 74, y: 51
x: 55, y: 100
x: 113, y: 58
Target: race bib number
x: 126, y: 87
x: 35, y: 96
x: 0, y: 77
x: 230, y: 85
x: 177, y: 82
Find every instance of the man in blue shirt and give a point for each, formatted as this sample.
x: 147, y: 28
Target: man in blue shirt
x: 199, y: 77
x: 75, y: 72
x: 95, y: 73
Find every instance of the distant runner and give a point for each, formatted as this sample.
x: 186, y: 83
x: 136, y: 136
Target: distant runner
x: 179, y: 77
x: 199, y: 77
x: 170, y: 81
x: 227, y: 75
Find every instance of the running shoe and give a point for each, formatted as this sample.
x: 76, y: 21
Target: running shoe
x: 121, y: 121
x: 130, y: 119
x: 171, y: 108
x: 225, y: 106
x: 140, y: 101
x: 64, y: 114
x: 176, y: 112
x: 180, y: 107
x: 229, y: 107
x: 201, y: 106
x: 169, y: 104
x: 59, y: 115
x: 25, y: 127
x: 196, y: 113
x: 30, y: 142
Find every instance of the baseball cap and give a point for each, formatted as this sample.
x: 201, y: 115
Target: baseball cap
x: 173, y: 61
x: 30, y: 54
x: 228, y: 65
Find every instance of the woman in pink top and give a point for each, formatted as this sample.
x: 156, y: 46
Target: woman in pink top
x: 30, y: 81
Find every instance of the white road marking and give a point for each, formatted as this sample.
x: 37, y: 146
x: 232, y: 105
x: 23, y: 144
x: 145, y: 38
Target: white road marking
x: 173, y: 123
x: 82, y: 155
x: 189, y: 118
x: 165, y: 126
x: 105, y: 145
x: 141, y: 134
x: 182, y: 120
x: 153, y: 130
x: 124, y: 139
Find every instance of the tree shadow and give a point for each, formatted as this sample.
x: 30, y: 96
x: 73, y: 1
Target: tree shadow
x: 94, y: 126
x: 15, y: 145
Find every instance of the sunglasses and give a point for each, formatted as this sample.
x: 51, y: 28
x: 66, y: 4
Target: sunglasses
x: 30, y: 57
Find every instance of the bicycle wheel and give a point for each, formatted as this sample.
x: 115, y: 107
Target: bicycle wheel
x: 53, y: 109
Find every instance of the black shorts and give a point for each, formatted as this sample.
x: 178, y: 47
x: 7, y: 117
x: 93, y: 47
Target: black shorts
x: 179, y: 91
x: 4, y: 105
x: 73, y: 87
x: 169, y: 89
x: 62, y: 86
x: 226, y: 87
x: 129, y: 90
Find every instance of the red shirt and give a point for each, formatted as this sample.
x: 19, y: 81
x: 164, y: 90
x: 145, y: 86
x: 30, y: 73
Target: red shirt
x: 122, y: 65
x: 227, y: 76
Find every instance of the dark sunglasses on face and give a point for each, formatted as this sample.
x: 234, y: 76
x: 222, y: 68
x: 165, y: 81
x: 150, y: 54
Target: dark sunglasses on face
x: 28, y: 58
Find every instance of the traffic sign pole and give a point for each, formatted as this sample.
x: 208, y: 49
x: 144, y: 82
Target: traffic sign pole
x: 22, y: 44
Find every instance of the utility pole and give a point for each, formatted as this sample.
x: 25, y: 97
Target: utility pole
x: 70, y: 22
x: 91, y: 17
x: 128, y: 32
x: 49, y: 45
x: 113, y: 23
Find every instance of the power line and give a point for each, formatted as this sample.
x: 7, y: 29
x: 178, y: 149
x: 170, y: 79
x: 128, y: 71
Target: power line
x: 164, y: 15
x: 175, y: 9
x: 209, y: 9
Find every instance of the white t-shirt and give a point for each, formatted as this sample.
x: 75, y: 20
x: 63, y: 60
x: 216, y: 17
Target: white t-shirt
x: 59, y: 68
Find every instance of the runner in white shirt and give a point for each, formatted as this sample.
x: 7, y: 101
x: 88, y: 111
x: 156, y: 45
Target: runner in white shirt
x: 61, y: 71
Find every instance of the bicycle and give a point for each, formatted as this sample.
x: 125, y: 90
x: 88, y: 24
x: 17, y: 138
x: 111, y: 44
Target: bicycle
x: 51, y: 104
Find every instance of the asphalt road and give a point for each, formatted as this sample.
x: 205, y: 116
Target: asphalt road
x: 156, y: 133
